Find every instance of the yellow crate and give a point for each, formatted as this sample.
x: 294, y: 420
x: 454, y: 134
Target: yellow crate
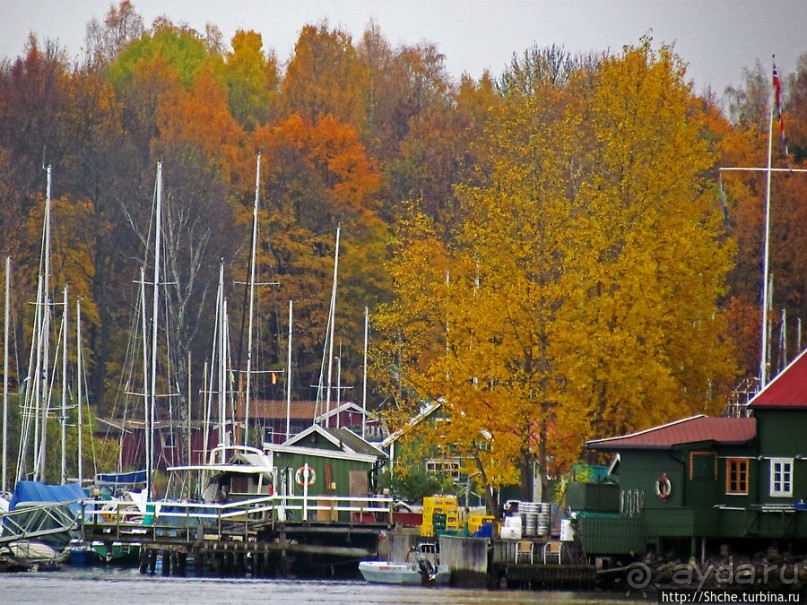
x: 476, y: 520
x: 431, y: 502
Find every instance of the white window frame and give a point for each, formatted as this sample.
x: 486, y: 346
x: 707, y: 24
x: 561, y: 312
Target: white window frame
x: 781, y: 478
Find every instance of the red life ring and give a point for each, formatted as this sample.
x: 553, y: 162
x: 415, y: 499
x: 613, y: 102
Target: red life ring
x: 663, y: 487
x: 305, y: 476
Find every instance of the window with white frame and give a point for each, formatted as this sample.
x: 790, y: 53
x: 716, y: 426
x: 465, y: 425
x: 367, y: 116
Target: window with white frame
x: 782, y: 477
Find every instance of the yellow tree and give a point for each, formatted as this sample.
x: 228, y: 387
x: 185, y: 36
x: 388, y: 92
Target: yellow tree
x: 584, y: 288
x: 644, y: 339
x: 493, y: 313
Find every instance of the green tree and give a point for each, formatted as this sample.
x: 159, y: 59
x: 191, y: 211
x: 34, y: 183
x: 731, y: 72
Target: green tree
x: 180, y: 48
x: 252, y: 80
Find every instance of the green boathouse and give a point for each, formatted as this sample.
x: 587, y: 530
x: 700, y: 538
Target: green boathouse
x: 692, y: 485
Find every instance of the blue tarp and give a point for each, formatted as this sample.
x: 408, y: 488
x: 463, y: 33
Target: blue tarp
x: 36, y: 491
x: 120, y: 479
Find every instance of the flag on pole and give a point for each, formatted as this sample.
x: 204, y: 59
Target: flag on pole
x: 777, y: 89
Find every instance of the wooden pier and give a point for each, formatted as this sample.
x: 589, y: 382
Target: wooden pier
x: 540, y: 563
x: 500, y: 563
x: 272, y: 537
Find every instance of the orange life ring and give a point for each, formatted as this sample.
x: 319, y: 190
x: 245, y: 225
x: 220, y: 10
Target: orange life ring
x: 663, y: 487
x: 305, y: 476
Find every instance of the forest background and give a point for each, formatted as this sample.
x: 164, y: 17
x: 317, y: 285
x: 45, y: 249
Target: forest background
x: 552, y: 253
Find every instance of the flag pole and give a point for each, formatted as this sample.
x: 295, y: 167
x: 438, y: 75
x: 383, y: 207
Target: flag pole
x: 763, y: 365
x: 769, y: 170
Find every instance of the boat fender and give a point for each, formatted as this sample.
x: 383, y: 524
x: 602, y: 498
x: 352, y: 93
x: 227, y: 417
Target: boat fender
x: 300, y: 476
x: 663, y: 487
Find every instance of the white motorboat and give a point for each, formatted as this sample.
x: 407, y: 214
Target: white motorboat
x: 423, y: 570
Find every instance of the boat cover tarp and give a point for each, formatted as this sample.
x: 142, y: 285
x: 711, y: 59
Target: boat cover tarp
x: 120, y: 479
x: 40, y: 522
x: 39, y: 492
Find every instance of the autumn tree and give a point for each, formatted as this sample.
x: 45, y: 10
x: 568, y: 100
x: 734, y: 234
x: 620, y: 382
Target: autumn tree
x: 497, y: 299
x: 565, y: 312
x: 402, y: 84
x: 121, y: 25
x: 324, y: 77
x: 439, y: 151
x: 796, y: 111
x: 252, y: 79
x: 656, y: 258
x: 318, y: 176
x: 32, y: 91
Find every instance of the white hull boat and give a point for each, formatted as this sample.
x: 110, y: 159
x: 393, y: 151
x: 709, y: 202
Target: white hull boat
x: 382, y: 572
x: 424, y: 570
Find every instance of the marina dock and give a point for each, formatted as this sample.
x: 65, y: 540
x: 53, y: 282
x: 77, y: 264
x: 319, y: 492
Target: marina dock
x: 263, y: 537
x: 274, y: 537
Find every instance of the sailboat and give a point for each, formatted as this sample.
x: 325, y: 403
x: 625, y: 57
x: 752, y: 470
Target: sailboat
x: 41, y: 519
x: 323, y: 409
x: 4, y: 493
x: 233, y: 471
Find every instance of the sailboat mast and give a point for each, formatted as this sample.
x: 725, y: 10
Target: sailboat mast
x: 190, y: 412
x: 32, y: 395
x: 63, y: 423
x: 338, y: 385
x: 41, y: 455
x: 79, y: 379
x: 154, y: 318
x: 4, y: 485
x: 251, y: 296
x: 364, y: 376
x: 331, y: 320
x: 144, y: 338
x: 288, y: 375
x: 222, y: 362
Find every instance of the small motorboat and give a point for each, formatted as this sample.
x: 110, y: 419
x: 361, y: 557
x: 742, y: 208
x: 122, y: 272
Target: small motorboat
x: 423, y: 569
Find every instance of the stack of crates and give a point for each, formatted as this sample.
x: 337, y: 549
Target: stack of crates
x: 477, y: 520
x: 440, y: 516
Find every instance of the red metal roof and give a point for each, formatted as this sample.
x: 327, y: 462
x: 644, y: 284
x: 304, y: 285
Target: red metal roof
x: 787, y: 390
x: 268, y: 409
x: 688, y: 430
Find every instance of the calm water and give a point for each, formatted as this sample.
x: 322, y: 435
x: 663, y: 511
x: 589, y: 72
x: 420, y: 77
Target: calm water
x: 99, y: 586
